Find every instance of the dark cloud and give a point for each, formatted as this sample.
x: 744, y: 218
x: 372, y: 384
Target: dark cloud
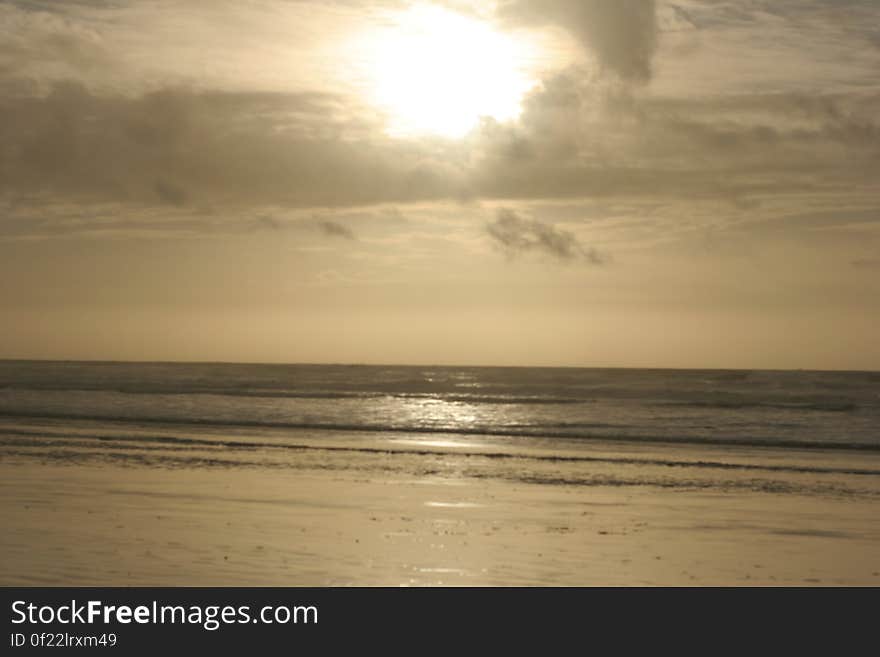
x: 866, y: 263
x: 335, y: 229
x: 621, y: 33
x: 236, y: 148
x: 516, y: 235
x: 573, y: 141
x: 251, y: 150
x: 170, y: 193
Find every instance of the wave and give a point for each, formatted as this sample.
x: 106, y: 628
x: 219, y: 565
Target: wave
x: 605, y: 480
x: 826, y: 406
x: 472, y: 398
x: 77, y: 439
x: 379, y: 392
x: 504, y: 431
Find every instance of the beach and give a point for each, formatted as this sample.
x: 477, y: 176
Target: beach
x: 349, y: 510
x: 174, y: 474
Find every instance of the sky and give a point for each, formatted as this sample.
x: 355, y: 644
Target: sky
x: 523, y: 182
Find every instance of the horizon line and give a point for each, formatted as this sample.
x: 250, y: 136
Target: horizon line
x: 344, y: 364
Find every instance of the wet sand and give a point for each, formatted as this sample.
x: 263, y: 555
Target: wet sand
x: 347, y: 519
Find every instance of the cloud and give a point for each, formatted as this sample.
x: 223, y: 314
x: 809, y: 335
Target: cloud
x: 170, y: 193
x: 249, y: 151
x: 622, y: 34
x: 243, y: 149
x: 866, y: 263
x: 335, y: 229
x: 40, y: 36
x: 575, y: 141
x: 233, y: 148
x: 515, y: 235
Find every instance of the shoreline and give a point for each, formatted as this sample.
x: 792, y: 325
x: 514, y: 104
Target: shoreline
x: 371, y: 520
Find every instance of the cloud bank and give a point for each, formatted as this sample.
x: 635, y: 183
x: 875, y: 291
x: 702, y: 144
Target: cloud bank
x: 73, y: 138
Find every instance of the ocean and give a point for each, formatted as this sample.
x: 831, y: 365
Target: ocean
x: 215, y: 473
x: 783, y: 409
x: 139, y: 411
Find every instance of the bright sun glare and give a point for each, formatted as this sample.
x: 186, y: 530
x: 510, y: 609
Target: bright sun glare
x: 438, y: 72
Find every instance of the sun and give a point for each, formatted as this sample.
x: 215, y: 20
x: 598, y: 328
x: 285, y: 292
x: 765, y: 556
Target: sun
x: 433, y: 71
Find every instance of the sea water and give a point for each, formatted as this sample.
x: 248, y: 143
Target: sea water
x: 782, y: 409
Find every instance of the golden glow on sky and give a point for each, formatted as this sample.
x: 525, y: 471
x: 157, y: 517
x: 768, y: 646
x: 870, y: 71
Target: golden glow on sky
x: 310, y: 181
x: 436, y: 72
